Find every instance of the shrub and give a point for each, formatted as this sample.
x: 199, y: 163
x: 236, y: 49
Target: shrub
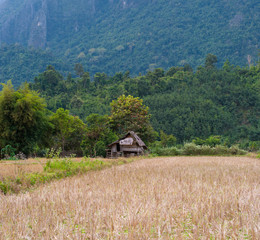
x: 198, y: 141
x: 235, y: 150
x: 221, y: 150
x: 168, y: 151
x: 52, y: 153
x: 3, y: 187
x: 167, y: 140
x: 190, y: 149
x: 254, y: 146
x: 193, y: 149
x: 100, y: 148
x: 213, y: 141
x: 206, y: 150
x: 8, y: 152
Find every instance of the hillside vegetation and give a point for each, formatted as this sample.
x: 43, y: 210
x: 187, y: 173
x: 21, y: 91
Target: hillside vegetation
x: 184, y: 103
x: 22, y: 64
x: 214, y: 108
x: 112, y: 36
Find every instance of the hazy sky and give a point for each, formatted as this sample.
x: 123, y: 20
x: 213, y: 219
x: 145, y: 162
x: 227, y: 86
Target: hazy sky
x: 1, y: 1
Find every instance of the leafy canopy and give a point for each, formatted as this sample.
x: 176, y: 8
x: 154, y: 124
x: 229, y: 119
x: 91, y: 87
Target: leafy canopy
x: 68, y: 131
x: 98, y: 135
x: 23, y: 118
x: 130, y: 114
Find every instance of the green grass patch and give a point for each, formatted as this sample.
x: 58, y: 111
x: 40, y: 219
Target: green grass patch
x: 55, y: 169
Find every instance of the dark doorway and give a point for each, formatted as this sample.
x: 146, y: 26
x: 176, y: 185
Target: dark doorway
x: 118, y: 147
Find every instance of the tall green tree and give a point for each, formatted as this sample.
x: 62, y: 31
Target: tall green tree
x: 50, y: 81
x: 68, y: 131
x: 79, y: 69
x: 130, y: 114
x: 98, y: 135
x: 210, y: 60
x: 24, y: 121
x: 167, y: 140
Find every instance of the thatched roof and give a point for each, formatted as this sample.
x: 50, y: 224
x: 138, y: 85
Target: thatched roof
x: 134, y: 136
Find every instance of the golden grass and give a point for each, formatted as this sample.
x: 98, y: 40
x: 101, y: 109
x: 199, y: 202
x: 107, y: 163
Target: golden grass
x: 15, y: 167
x: 159, y: 198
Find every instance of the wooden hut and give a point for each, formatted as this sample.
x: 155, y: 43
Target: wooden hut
x: 129, y: 145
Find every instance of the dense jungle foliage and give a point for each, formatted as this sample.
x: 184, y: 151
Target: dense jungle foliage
x: 136, y: 36
x: 22, y: 64
x: 28, y: 127
x: 164, y: 33
x: 210, y: 106
x: 210, y: 101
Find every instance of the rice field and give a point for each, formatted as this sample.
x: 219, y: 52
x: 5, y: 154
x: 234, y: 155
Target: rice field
x: 13, y: 168
x: 157, y: 198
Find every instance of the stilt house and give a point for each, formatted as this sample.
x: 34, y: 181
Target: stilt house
x: 129, y: 145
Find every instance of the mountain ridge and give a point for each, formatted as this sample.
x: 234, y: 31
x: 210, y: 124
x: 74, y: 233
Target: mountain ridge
x: 114, y: 35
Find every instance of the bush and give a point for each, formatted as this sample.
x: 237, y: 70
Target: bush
x: 52, y: 153
x: 198, y: 141
x: 167, y: 140
x: 235, y: 150
x: 3, y: 187
x: 221, y: 150
x: 254, y: 146
x: 8, y: 153
x: 212, y: 141
x: 168, y: 151
x: 100, y: 148
x: 207, y: 150
x: 191, y: 149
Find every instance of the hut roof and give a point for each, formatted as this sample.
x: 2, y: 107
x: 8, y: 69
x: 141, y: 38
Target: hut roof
x: 134, y: 136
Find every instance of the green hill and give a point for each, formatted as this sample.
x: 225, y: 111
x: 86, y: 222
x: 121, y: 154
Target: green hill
x: 113, y: 35
x: 22, y: 64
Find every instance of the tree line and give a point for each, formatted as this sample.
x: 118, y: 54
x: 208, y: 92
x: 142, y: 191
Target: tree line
x: 28, y: 127
x: 188, y: 104
x: 82, y: 115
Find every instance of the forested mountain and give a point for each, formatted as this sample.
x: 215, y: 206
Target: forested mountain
x: 23, y: 64
x: 136, y: 35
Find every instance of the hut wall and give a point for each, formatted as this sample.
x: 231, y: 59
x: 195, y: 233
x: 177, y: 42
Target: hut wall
x: 114, y: 149
x: 131, y: 149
